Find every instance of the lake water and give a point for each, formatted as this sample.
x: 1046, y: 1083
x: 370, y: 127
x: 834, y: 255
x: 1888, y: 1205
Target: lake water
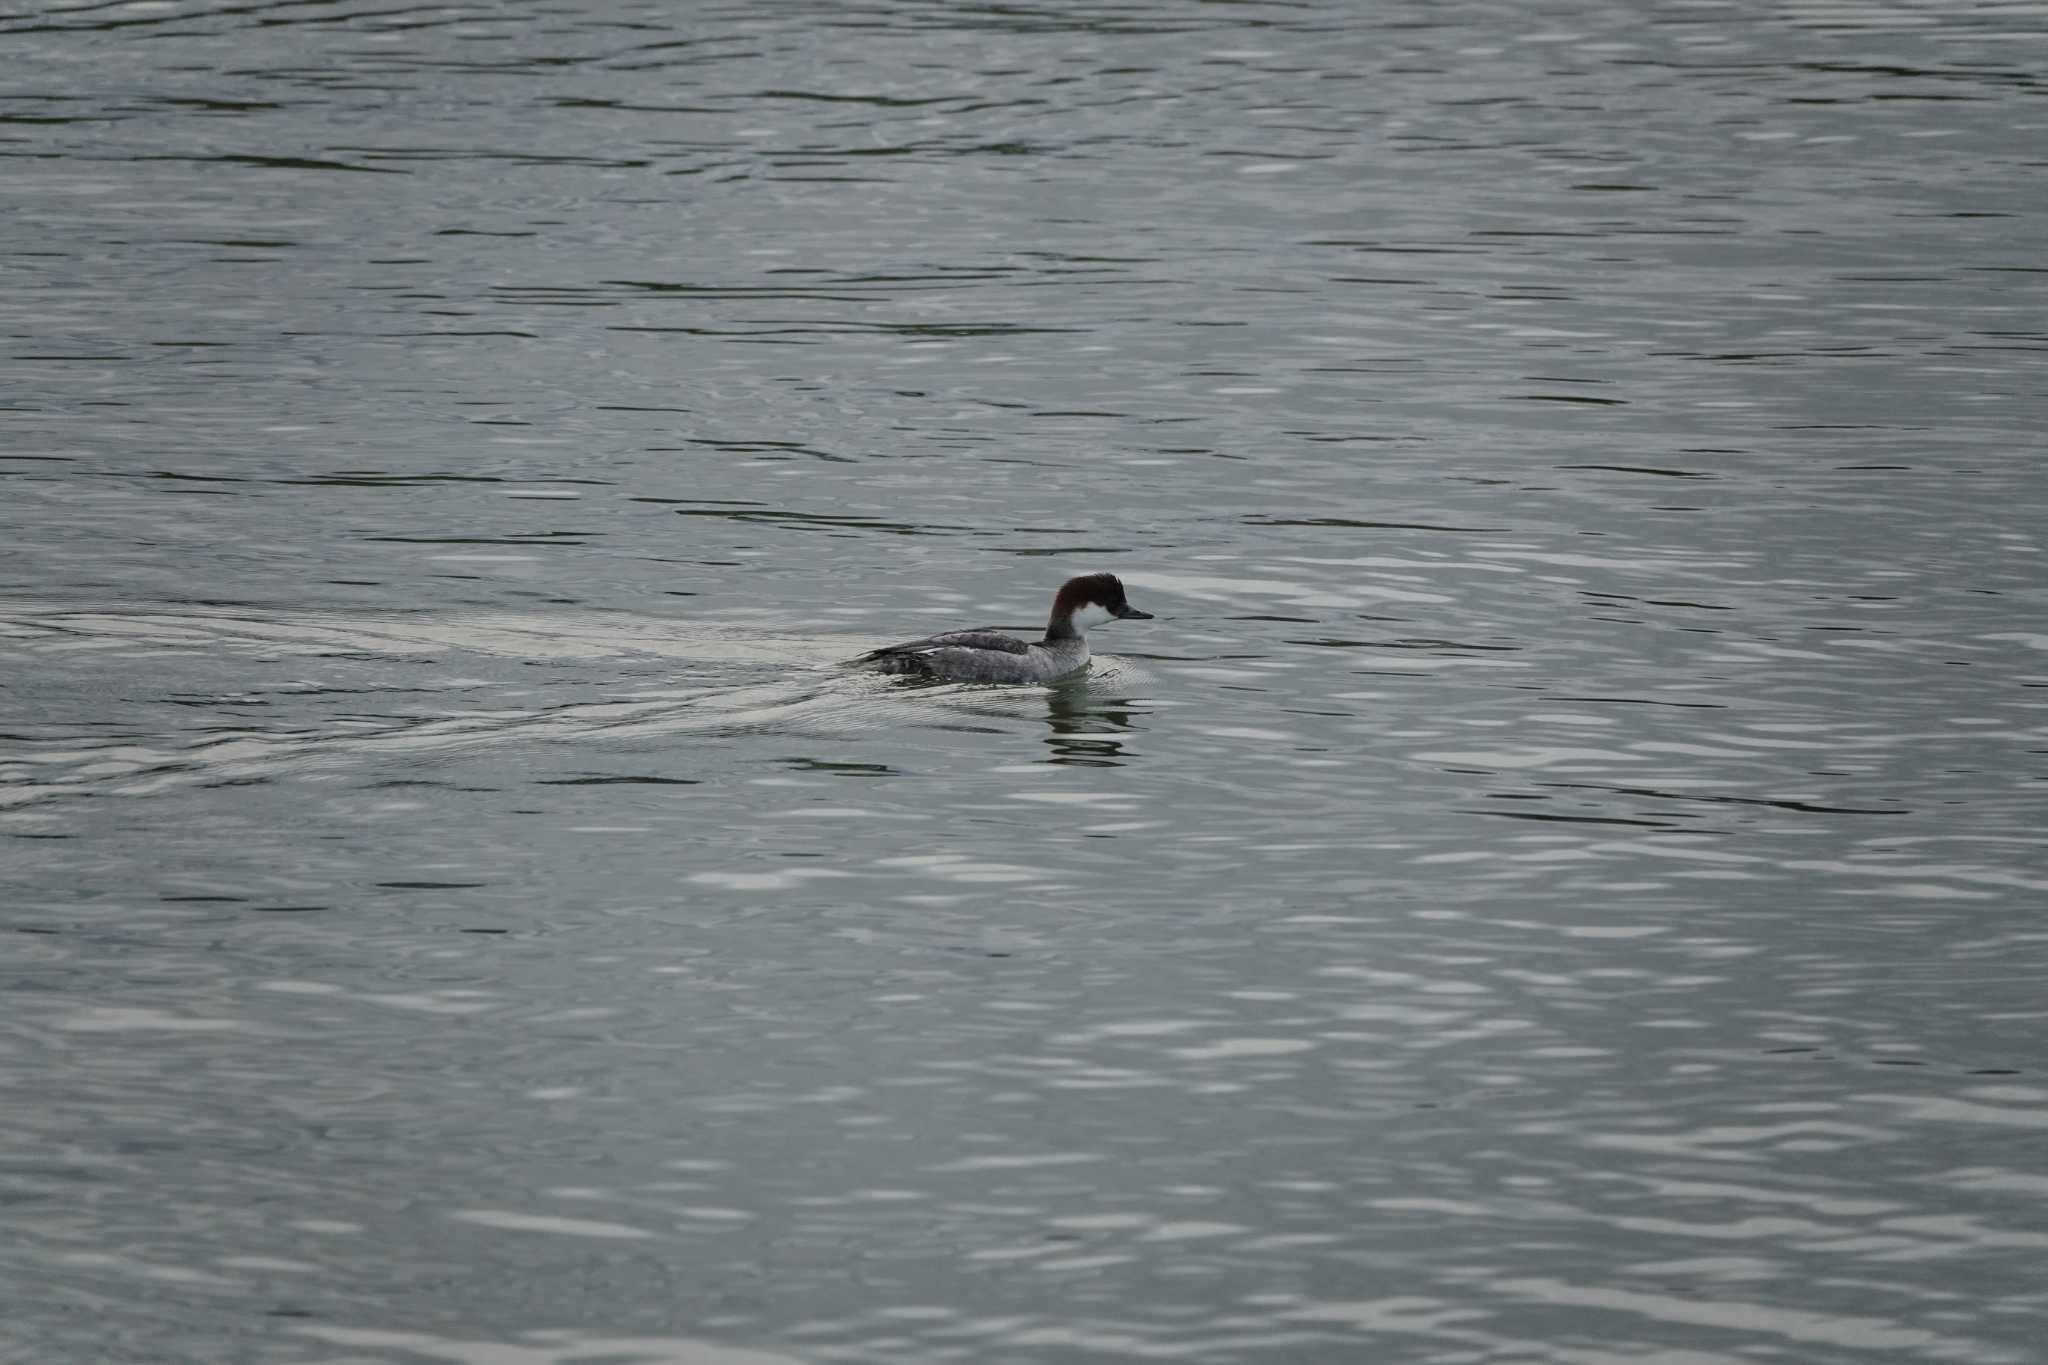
x: 1561, y: 882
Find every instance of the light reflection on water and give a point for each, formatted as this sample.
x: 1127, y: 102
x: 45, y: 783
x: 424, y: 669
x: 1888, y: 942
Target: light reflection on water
x: 1556, y: 882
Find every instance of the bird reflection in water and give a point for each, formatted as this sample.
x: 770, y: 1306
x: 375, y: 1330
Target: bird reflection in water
x: 1083, y: 727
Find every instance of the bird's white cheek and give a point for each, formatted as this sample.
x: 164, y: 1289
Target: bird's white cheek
x: 1092, y: 615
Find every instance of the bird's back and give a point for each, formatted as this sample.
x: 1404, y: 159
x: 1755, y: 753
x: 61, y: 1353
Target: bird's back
x: 972, y: 656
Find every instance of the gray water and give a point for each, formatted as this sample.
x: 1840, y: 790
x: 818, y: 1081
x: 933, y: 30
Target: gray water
x: 1561, y: 881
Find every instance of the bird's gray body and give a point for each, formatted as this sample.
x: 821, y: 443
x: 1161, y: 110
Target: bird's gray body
x: 981, y: 656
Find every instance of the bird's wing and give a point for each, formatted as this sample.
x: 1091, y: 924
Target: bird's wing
x: 994, y: 640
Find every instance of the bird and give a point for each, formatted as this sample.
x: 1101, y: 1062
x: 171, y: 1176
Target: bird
x: 995, y: 656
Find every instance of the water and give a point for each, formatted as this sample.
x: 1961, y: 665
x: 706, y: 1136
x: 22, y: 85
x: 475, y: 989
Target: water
x: 1560, y: 881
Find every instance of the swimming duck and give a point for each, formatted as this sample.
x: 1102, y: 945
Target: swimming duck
x: 998, y: 657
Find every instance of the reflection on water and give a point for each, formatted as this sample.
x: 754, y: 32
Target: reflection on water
x: 1089, y: 732
x: 1559, y: 882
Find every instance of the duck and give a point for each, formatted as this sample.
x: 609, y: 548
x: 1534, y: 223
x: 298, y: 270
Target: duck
x: 995, y: 656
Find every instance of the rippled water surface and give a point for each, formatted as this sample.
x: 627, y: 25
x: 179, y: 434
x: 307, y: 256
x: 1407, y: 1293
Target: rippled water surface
x: 1561, y: 881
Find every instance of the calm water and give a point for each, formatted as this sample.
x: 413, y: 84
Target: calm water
x: 1562, y: 880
